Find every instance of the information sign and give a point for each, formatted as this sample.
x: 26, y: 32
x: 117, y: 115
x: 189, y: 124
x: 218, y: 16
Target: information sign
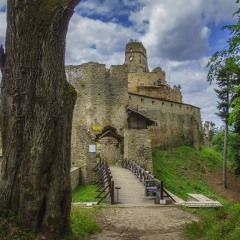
x: 92, y: 148
x: 150, y: 188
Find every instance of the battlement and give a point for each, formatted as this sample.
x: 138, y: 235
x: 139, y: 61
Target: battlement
x: 136, y: 47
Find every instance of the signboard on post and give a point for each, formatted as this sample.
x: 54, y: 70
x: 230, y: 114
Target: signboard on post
x: 150, y: 188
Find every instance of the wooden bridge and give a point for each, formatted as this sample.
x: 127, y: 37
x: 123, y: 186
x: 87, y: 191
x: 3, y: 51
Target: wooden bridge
x: 120, y: 186
x: 131, y: 190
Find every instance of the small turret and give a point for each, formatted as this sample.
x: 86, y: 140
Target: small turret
x: 136, y: 57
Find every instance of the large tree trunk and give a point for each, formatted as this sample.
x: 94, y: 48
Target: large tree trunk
x: 37, y: 114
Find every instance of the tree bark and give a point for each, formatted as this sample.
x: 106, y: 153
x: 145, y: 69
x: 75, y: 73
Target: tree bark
x: 37, y: 107
x: 225, y: 147
x: 225, y: 155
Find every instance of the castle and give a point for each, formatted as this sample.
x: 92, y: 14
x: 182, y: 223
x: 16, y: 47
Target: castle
x: 125, y: 112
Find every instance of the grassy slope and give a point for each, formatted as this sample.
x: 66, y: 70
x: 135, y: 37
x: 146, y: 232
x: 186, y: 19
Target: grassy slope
x: 182, y: 169
x: 216, y: 224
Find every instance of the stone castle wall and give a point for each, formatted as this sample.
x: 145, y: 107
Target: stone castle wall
x: 162, y: 92
x: 75, y: 177
x: 101, y: 119
x: 101, y: 101
x: 178, y: 123
x: 136, y: 57
x: 144, y: 79
x: 138, y: 148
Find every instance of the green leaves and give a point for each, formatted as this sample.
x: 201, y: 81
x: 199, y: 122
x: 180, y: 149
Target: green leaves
x: 224, y: 69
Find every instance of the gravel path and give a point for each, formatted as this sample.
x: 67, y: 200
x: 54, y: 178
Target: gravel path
x: 142, y: 223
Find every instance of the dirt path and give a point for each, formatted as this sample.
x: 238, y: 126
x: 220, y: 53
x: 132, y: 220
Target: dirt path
x: 142, y: 223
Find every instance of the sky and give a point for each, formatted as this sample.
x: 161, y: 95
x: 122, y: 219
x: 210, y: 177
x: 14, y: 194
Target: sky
x: 179, y: 36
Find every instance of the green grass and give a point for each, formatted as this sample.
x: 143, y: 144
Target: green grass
x: 83, y: 223
x: 85, y: 194
x: 182, y: 170
x: 220, y: 224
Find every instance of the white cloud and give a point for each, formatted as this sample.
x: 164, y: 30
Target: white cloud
x: 93, y: 40
x: 178, y: 29
x: 3, y: 3
x: 219, y: 10
x: 175, y: 34
x: 3, y: 26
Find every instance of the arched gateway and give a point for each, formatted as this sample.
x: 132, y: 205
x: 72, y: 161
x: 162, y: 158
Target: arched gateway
x: 110, y: 145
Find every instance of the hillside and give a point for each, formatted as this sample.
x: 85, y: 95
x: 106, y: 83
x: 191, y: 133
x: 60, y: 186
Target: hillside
x: 187, y: 170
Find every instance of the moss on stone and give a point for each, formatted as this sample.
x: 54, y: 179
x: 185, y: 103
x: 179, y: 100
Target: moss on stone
x: 82, y: 83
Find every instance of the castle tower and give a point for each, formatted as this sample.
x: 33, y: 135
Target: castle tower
x: 136, y: 57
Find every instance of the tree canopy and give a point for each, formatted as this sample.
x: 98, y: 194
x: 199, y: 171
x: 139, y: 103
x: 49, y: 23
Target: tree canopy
x: 224, y: 69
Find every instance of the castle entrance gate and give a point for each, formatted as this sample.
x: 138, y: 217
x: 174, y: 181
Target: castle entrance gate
x: 110, y: 145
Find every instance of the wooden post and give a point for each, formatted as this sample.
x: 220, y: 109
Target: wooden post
x: 161, y: 190
x: 112, y: 192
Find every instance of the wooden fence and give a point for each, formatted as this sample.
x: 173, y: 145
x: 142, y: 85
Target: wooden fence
x: 105, y: 182
x: 144, y: 175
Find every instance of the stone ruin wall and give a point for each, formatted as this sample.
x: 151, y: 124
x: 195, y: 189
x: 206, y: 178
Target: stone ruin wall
x: 144, y: 79
x: 138, y: 147
x: 110, y: 151
x: 136, y: 57
x: 103, y: 98
x: 101, y: 101
x: 143, y: 83
x: 75, y: 177
x: 178, y: 123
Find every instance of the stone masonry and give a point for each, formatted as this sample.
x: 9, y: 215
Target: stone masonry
x: 104, y: 97
x: 138, y: 148
x: 101, y: 102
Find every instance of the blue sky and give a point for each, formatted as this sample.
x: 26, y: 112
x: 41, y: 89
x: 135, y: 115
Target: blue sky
x: 179, y: 36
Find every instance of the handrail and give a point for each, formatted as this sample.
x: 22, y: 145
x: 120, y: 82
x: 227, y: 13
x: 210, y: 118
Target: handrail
x: 144, y: 175
x: 104, y: 181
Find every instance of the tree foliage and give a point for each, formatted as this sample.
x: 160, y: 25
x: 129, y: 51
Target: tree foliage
x: 224, y: 69
x: 213, y: 130
x: 233, y: 154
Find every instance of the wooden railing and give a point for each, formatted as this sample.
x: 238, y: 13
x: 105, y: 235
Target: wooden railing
x: 105, y: 182
x: 144, y: 175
